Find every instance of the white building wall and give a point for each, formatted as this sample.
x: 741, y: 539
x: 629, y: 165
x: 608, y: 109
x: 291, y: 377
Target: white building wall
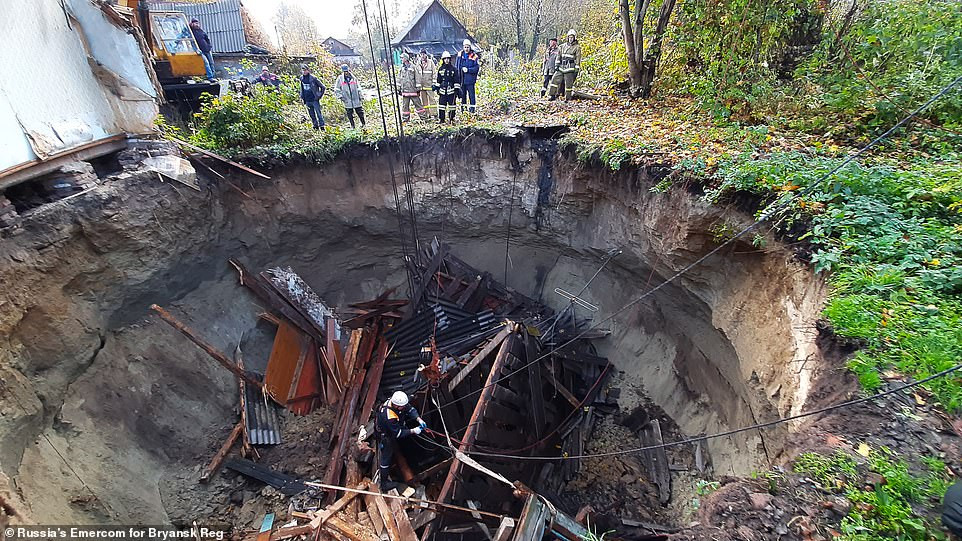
x: 53, y: 97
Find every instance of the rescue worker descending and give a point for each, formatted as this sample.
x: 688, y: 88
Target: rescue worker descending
x: 392, y: 423
x: 566, y: 67
x: 409, y: 88
x: 448, y: 87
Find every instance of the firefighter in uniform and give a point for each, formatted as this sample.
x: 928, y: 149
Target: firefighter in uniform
x: 409, y: 89
x: 393, y: 420
x: 448, y: 87
x: 566, y: 66
x: 425, y: 70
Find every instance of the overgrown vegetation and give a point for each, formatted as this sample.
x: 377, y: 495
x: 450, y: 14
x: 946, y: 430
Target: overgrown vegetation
x: 889, y: 235
x: 894, y: 506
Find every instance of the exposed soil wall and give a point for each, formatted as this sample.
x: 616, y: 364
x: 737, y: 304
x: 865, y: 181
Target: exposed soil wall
x: 131, y: 406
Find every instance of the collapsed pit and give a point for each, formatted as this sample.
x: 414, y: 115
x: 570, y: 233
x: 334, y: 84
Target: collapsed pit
x: 136, y: 410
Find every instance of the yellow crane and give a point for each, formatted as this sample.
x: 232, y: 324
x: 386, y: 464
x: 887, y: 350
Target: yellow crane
x: 176, y: 56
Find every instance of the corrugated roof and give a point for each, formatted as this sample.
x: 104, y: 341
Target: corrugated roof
x: 221, y: 20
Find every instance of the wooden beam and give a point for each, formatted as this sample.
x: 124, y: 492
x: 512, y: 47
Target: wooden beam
x: 426, y: 278
x: 16, y: 174
x: 562, y: 389
x: 505, y: 529
x: 344, y: 436
x: 430, y: 471
x: 476, y: 360
x: 218, y: 157
x: 471, y: 433
x: 216, y: 354
x: 535, y: 386
x: 373, y: 381
x: 222, y: 452
x: 386, y: 516
x: 371, y: 509
x: 323, y: 515
x: 401, y: 517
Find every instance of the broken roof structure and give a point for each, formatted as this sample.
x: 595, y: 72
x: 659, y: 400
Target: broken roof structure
x: 434, y: 29
x: 84, y: 85
x: 498, y: 371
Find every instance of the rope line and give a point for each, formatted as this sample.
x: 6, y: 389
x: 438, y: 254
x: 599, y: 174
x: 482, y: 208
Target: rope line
x: 757, y: 426
x: 763, y: 216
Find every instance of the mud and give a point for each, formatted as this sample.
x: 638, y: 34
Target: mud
x: 135, y: 411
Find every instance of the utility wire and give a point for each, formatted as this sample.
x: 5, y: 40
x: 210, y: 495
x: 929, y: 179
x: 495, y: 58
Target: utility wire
x: 758, y: 426
x: 763, y: 216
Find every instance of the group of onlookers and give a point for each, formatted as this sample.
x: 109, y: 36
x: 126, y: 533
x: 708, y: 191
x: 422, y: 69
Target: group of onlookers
x: 419, y: 79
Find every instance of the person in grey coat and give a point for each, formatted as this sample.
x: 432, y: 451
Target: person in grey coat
x: 349, y: 91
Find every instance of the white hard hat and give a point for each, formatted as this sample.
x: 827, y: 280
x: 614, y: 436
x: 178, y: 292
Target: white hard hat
x: 466, y: 42
x: 264, y: 68
x: 399, y: 398
x: 572, y: 32
x: 445, y: 54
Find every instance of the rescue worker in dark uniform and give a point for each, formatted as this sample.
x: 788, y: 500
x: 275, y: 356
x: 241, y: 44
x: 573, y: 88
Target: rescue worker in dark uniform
x: 393, y: 420
x: 448, y: 87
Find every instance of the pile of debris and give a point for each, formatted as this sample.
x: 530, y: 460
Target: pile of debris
x: 493, y: 372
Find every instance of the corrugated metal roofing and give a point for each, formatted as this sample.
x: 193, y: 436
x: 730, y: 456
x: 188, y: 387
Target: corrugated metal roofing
x: 220, y: 19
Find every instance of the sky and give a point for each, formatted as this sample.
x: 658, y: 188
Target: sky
x: 333, y: 17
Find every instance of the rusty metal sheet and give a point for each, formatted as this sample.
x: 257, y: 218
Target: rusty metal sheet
x: 281, y: 368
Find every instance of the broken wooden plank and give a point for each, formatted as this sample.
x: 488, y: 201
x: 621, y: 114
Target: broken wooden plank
x: 222, y: 452
x: 370, y: 507
x: 401, y: 518
x: 531, y: 523
x: 218, y: 157
x: 246, y: 450
x: 567, y: 527
x: 535, y: 386
x: 426, y: 278
x: 216, y: 354
x: 663, y: 475
x: 471, y: 433
x: 323, y: 515
x: 373, y: 381
x: 480, y: 356
x: 505, y: 529
x: 571, y: 398
x: 346, y: 429
x: 386, y: 516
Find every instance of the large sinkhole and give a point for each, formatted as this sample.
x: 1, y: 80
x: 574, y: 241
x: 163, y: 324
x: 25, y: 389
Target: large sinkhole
x: 110, y: 415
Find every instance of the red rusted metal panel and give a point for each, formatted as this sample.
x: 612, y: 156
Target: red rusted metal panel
x: 293, y: 378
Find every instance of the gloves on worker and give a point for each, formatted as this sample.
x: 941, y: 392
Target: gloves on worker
x: 422, y: 423
x: 416, y: 431
x: 436, y: 88
x: 464, y: 69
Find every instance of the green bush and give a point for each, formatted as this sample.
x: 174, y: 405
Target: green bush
x: 243, y: 121
x: 885, y: 511
x: 890, y: 237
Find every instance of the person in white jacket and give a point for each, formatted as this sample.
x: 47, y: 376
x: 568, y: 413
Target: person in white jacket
x: 349, y: 91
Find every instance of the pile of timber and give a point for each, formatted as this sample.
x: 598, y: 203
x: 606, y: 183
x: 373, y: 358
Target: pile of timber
x: 499, y: 371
